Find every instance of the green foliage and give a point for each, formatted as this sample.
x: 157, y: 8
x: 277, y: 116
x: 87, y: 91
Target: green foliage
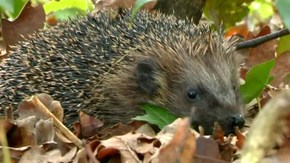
x: 226, y: 12
x: 156, y: 115
x: 260, y: 10
x: 64, y: 9
x: 256, y: 79
x: 283, y: 7
x: 11, y: 8
x: 283, y: 44
x: 67, y: 13
x: 137, y: 6
x: 54, y: 5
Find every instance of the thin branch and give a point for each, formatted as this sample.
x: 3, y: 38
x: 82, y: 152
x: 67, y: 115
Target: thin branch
x: 257, y: 41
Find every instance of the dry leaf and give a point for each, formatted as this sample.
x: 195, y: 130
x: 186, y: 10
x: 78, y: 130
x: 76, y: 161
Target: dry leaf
x: 206, y: 148
x: 88, y: 125
x: 181, y: 147
x: 44, y: 131
x: 30, y: 20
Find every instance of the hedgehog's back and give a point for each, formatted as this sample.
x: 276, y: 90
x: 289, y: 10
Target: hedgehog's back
x: 66, y: 61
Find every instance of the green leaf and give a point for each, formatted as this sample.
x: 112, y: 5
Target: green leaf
x: 68, y: 13
x: 226, y: 12
x: 12, y: 8
x: 156, y: 115
x: 283, y: 8
x: 137, y: 6
x: 283, y: 44
x: 54, y: 5
x: 256, y: 80
x: 260, y: 11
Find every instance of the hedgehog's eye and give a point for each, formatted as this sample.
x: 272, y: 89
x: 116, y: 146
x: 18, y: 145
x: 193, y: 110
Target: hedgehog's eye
x: 191, y: 94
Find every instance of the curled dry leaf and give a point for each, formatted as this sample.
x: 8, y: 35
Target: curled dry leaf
x: 33, y: 106
x: 127, y: 147
x: 136, y: 146
x: 39, y: 136
x: 27, y: 108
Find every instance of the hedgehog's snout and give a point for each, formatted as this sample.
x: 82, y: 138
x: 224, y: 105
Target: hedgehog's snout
x: 232, y: 121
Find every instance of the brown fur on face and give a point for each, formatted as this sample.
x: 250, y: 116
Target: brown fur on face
x: 205, y: 64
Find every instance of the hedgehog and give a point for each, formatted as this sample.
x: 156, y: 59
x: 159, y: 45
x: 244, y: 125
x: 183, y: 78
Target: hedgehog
x: 100, y: 65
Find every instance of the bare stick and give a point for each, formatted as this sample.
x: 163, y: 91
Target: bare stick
x: 257, y: 41
x: 65, y: 131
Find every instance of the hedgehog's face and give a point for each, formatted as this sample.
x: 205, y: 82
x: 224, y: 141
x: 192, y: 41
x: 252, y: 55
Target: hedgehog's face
x: 205, y: 87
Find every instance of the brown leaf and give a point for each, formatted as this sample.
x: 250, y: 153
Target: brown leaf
x: 264, y: 31
x: 241, y: 30
x: 181, y: 147
x: 89, y: 125
x: 53, y: 106
x: 15, y: 153
x: 7, y: 124
x: 261, y: 53
x: 30, y: 20
x: 77, y: 129
x: 38, y: 154
x: 227, y: 152
x: 51, y: 20
x: 81, y: 157
x: 27, y: 108
x: 33, y: 106
x: 218, y: 133
x: 23, y: 134
x: 90, y: 148
x: 107, y: 152
x: 44, y: 131
x: 265, y: 52
x: 118, y: 129
x: 126, y: 147
x: 281, y: 68
x: 207, y: 149
x: 146, y: 145
x: 240, y: 138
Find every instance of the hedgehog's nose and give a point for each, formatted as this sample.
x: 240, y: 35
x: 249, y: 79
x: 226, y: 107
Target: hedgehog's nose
x: 236, y: 120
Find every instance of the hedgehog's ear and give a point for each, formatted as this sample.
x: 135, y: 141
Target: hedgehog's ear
x: 145, y: 73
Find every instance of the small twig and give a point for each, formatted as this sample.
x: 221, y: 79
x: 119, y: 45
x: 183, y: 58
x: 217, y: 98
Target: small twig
x: 57, y: 123
x: 257, y: 41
